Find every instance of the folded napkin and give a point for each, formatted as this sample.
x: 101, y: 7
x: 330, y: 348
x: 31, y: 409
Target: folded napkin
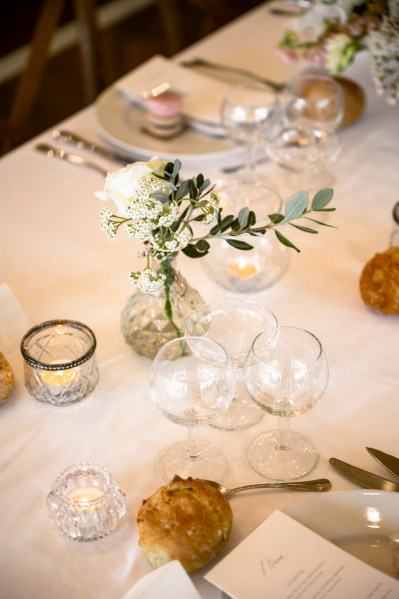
x: 169, y: 582
x: 202, y: 95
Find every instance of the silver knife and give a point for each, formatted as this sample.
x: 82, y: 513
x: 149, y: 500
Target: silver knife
x: 362, y: 477
x: 67, y: 137
x: 76, y: 159
x: 389, y: 462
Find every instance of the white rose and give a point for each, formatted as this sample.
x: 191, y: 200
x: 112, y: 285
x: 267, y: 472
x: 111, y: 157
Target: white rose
x: 120, y: 186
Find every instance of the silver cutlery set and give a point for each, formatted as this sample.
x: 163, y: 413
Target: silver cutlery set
x: 78, y: 142
x: 369, y: 479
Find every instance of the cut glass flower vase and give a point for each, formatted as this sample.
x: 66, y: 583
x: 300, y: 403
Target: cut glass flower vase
x: 145, y: 324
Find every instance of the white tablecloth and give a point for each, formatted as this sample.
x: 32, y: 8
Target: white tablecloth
x: 59, y: 264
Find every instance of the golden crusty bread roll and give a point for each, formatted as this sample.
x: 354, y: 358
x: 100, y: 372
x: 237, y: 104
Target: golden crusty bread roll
x: 379, y: 282
x: 6, y: 378
x: 188, y: 520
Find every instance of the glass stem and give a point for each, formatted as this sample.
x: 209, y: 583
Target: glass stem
x: 251, y: 155
x: 193, y: 443
x: 284, y: 433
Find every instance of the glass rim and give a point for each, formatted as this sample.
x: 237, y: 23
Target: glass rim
x: 286, y: 327
x: 29, y: 359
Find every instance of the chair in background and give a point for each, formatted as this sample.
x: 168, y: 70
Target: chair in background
x: 31, y: 78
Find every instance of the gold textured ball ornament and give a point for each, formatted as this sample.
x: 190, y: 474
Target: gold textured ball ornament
x: 6, y: 379
x: 379, y: 282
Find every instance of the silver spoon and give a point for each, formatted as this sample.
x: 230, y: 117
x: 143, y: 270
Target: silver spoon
x: 319, y: 484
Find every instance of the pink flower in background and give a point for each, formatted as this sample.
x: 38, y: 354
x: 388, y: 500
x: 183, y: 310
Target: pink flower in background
x: 331, y: 33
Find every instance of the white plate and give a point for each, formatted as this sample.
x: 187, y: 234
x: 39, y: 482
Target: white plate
x: 121, y: 124
x: 360, y: 522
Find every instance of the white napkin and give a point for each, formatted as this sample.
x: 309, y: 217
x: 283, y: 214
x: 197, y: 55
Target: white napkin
x: 202, y: 96
x: 169, y: 582
x: 14, y: 323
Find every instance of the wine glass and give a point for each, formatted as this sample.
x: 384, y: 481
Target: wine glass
x: 234, y: 323
x: 313, y: 97
x: 286, y: 373
x: 304, y: 152
x: 191, y: 382
x: 311, y: 109
x: 248, y: 113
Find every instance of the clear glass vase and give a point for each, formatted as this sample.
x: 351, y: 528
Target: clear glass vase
x: 151, y: 320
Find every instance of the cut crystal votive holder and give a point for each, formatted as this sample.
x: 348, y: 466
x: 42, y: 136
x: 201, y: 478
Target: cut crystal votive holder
x: 85, y: 502
x: 59, y: 361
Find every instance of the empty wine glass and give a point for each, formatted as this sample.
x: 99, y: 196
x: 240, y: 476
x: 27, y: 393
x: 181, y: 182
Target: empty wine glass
x: 248, y: 113
x: 286, y: 373
x: 314, y: 98
x: 304, y: 152
x: 234, y: 323
x: 306, y: 143
x: 191, y: 382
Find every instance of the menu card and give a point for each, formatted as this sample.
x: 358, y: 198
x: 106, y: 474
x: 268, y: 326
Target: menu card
x: 202, y: 95
x: 282, y: 559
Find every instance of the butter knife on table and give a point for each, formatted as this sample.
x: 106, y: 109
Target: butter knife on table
x: 389, y: 462
x: 363, y: 477
x: 64, y: 136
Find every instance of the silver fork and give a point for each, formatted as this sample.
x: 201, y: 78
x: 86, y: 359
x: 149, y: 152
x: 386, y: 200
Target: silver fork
x: 76, y: 159
x: 64, y: 136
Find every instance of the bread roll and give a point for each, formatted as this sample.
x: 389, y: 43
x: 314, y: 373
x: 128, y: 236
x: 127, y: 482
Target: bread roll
x: 379, y: 282
x: 6, y: 379
x: 188, y: 520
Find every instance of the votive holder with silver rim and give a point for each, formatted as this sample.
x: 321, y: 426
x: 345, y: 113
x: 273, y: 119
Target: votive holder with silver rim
x: 60, y: 366
x: 86, y: 502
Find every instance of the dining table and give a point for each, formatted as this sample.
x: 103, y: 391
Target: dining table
x: 56, y: 263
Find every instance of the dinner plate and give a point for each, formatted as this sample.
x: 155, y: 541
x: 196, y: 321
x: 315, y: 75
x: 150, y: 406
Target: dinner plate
x: 360, y: 522
x: 121, y: 124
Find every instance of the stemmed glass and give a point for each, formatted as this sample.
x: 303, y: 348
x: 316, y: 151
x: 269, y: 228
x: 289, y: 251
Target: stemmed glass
x: 311, y: 109
x: 248, y: 113
x: 286, y: 373
x: 315, y: 98
x: 191, y: 382
x: 234, y: 323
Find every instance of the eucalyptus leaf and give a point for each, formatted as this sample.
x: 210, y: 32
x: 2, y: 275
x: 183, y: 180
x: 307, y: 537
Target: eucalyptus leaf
x: 191, y: 251
x: 183, y: 190
x: 302, y: 228
x: 285, y: 241
x: 243, y: 217
x: 239, y: 245
x: 322, y: 198
x: 296, y: 205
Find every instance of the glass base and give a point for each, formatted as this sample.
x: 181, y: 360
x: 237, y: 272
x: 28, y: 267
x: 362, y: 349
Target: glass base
x: 210, y: 463
x: 296, y: 461
x: 241, y: 414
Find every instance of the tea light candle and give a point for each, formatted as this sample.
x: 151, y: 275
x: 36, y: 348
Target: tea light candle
x: 85, y: 502
x: 85, y: 495
x: 60, y: 365
x: 243, y: 267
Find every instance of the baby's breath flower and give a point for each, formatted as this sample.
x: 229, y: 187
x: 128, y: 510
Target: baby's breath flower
x: 147, y: 185
x: 147, y: 280
x: 211, y: 209
x: 107, y: 225
x: 169, y: 215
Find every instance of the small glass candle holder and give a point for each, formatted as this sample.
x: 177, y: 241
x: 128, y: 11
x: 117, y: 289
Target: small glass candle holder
x: 59, y: 361
x: 85, y: 502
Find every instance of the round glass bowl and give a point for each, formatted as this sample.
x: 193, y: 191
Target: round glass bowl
x: 59, y: 361
x: 247, y: 271
x: 85, y: 502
